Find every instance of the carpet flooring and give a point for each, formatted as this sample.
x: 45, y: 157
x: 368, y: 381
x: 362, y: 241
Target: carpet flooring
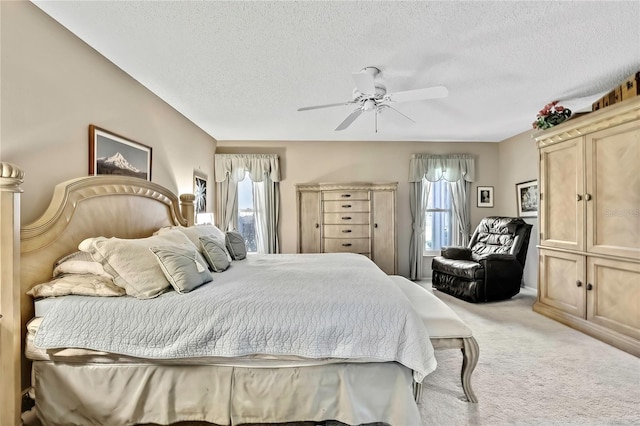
x: 532, y: 371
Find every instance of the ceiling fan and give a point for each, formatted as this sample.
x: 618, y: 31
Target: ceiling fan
x: 371, y: 95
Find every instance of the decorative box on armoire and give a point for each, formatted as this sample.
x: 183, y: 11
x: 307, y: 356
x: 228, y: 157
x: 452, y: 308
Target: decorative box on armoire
x: 350, y: 217
x: 589, y: 252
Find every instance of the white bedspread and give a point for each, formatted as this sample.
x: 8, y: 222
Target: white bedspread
x: 310, y: 305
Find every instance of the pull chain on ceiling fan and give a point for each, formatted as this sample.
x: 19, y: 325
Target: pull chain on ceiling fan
x: 371, y: 95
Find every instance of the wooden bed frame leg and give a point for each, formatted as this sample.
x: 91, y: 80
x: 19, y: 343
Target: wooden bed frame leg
x: 470, y: 355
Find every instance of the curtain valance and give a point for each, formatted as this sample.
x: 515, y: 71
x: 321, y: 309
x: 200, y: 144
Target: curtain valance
x: 234, y: 166
x: 451, y: 167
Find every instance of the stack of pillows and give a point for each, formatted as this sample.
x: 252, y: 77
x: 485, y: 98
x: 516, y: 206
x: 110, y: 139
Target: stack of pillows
x: 182, y: 258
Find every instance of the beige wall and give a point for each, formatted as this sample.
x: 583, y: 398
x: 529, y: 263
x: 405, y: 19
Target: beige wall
x: 518, y: 159
x: 312, y: 161
x: 54, y: 86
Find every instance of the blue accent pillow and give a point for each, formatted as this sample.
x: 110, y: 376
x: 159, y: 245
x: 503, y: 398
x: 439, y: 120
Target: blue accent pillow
x: 183, y: 266
x: 215, y: 252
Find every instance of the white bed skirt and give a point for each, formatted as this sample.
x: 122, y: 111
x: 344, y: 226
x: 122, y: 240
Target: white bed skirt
x: 111, y: 394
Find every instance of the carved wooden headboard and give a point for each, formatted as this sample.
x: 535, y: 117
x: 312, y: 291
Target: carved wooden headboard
x: 110, y: 206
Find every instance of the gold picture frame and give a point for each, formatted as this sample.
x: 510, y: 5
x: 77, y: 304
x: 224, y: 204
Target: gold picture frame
x: 112, y: 154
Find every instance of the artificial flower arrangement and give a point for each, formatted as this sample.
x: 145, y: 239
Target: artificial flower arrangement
x: 550, y: 115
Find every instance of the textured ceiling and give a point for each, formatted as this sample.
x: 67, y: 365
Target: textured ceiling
x: 240, y: 70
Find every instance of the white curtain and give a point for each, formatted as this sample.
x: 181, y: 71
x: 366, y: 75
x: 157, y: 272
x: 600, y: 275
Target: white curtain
x: 227, y: 204
x: 460, y: 197
x: 264, y: 171
x: 419, y: 195
x: 459, y: 170
x: 266, y: 196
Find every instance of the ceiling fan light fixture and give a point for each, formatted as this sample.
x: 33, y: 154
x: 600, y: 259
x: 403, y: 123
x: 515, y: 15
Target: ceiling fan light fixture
x: 374, y: 71
x: 369, y: 105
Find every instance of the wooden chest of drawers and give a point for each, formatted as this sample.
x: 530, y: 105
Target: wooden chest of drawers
x: 354, y: 218
x: 347, y: 231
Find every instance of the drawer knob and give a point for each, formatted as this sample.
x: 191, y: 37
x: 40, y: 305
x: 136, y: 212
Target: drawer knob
x: 317, y: 225
x: 579, y: 283
x: 587, y: 197
x: 578, y: 197
x: 346, y: 217
x: 375, y: 225
x: 346, y: 195
x: 589, y: 287
x: 346, y: 231
x: 346, y: 244
x: 346, y: 206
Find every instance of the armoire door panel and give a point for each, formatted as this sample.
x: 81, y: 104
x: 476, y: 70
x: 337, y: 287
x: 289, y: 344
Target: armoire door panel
x: 384, y: 224
x: 309, y: 222
x: 562, y: 281
x: 562, y: 189
x: 613, y: 295
x: 613, y: 185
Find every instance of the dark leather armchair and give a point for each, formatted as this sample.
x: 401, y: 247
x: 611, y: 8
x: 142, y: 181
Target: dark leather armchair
x: 490, y: 267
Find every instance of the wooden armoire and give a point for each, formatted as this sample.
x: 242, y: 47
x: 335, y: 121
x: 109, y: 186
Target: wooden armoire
x: 350, y: 217
x: 589, y: 252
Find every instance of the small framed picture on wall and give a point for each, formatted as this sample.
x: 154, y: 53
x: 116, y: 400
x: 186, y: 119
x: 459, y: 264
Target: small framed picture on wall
x: 485, y: 196
x: 527, y: 198
x: 200, y: 191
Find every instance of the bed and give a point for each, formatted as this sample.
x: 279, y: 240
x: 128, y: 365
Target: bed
x: 351, y: 356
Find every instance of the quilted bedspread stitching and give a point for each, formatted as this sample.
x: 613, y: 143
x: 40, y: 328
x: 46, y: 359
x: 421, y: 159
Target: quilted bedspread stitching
x: 314, y: 306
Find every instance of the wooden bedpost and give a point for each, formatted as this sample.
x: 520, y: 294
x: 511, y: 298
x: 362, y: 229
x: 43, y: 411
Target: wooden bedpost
x: 10, y: 330
x: 186, y: 208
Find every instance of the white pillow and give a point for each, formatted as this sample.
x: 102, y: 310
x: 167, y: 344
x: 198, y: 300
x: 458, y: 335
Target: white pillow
x: 80, y: 284
x: 195, y: 232
x: 130, y: 262
x: 79, y: 263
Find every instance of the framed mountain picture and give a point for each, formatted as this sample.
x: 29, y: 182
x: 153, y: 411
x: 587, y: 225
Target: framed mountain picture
x: 112, y: 154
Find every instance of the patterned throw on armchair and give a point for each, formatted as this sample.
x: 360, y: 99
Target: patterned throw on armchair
x: 491, y: 267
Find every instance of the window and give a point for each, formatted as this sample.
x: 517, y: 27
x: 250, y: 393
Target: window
x: 251, y: 207
x: 246, y: 213
x: 439, y: 217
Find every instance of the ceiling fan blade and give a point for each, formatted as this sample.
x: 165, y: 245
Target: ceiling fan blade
x: 418, y: 94
x: 364, y: 82
x: 324, y: 106
x: 350, y: 119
